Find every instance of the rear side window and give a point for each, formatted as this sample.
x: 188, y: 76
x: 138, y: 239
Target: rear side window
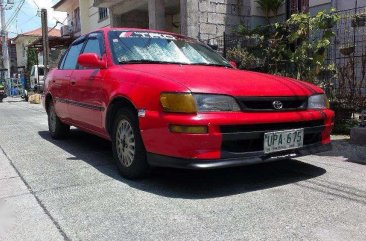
x: 94, y: 44
x: 72, y: 56
x: 32, y: 71
x: 41, y: 71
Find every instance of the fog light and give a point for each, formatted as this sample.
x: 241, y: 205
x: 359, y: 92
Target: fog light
x: 189, y: 129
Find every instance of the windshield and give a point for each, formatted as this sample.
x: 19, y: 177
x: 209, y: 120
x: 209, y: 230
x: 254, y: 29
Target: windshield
x: 149, y: 47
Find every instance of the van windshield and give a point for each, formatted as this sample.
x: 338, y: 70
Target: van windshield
x: 138, y: 47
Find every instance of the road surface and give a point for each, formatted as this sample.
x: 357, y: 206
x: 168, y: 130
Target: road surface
x: 70, y: 190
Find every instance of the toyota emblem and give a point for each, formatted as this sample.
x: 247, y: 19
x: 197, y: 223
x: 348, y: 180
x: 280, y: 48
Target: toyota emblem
x: 278, y: 105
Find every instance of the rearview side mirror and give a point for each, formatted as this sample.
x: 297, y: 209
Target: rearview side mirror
x: 92, y: 61
x: 233, y: 64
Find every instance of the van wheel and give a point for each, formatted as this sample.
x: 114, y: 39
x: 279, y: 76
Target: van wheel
x: 57, y: 129
x: 128, y: 149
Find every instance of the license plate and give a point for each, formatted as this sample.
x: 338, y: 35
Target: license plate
x: 283, y: 140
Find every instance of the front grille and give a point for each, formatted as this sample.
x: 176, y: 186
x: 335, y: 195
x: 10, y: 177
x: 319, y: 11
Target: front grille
x: 250, y: 138
x: 267, y: 103
x: 270, y: 126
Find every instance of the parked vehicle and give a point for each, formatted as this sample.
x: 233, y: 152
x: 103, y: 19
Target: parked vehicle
x: 167, y: 100
x: 37, y: 77
x: 2, y: 92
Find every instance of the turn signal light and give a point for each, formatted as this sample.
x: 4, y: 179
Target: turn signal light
x: 189, y: 129
x: 178, y: 103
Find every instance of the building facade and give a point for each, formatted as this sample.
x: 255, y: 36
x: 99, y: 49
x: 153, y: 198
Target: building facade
x: 82, y: 16
x: 22, y: 41
x: 201, y: 19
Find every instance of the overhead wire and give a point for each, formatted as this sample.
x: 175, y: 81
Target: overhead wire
x: 15, y: 14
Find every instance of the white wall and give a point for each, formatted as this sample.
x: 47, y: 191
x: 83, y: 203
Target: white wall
x: 93, y: 16
x: 21, y: 44
x: 313, y: 3
x: 348, y: 4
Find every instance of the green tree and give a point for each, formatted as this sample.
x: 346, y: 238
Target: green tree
x: 32, y: 59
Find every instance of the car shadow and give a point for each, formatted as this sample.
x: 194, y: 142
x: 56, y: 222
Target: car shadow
x: 188, y: 184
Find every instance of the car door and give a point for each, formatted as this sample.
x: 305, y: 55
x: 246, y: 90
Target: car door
x: 61, y: 80
x: 86, y: 88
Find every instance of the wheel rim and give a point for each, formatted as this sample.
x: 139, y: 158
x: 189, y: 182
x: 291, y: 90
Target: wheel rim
x: 52, y: 117
x: 125, y: 143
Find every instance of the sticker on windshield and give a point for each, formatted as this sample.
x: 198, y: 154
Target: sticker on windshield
x: 146, y: 35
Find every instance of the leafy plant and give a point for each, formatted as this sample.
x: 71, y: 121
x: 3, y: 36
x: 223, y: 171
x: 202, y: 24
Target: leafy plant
x: 276, y: 5
x: 269, y: 6
x: 295, y: 48
x: 265, y: 5
x: 243, y: 58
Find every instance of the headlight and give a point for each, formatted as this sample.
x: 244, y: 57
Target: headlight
x: 207, y: 103
x: 178, y: 102
x: 193, y: 103
x: 318, y: 102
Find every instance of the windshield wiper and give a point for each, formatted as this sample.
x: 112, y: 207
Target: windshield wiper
x: 146, y: 61
x: 208, y: 64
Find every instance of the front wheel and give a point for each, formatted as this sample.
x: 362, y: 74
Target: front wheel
x: 57, y: 129
x: 128, y: 149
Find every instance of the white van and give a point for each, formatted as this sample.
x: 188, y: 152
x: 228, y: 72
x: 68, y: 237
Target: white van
x: 37, y: 77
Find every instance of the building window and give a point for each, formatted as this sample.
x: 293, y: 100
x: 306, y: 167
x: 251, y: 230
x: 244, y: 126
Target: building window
x: 103, y: 13
x: 297, y: 6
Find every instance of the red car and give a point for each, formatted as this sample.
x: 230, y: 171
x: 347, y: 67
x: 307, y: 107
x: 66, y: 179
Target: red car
x: 170, y: 101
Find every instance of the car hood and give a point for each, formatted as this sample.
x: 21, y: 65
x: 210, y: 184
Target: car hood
x: 221, y: 80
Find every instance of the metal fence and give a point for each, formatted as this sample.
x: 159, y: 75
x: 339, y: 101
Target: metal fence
x: 348, y: 49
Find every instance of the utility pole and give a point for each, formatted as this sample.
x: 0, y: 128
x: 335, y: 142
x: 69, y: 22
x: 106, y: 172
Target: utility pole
x: 4, y: 39
x: 45, y: 42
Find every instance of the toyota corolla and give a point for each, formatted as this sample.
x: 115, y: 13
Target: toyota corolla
x: 166, y: 100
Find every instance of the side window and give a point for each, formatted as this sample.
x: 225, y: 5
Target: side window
x: 94, y: 44
x: 72, y: 56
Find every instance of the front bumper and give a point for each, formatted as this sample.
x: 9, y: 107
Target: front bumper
x: 248, y: 159
x: 230, y: 135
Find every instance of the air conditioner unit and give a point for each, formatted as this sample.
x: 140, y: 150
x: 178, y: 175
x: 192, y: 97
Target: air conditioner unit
x: 66, y: 31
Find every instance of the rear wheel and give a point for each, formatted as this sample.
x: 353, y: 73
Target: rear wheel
x: 57, y: 129
x: 128, y: 149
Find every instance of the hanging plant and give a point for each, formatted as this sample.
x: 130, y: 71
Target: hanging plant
x: 359, y: 20
x: 347, y: 50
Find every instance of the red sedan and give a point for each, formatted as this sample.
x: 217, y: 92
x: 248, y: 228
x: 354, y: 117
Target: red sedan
x: 167, y: 100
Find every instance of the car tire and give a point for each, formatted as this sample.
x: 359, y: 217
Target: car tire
x: 128, y: 148
x: 57, y: 129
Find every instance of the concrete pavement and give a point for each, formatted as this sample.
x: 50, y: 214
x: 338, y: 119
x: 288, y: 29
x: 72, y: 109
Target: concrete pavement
x: 70, y: 190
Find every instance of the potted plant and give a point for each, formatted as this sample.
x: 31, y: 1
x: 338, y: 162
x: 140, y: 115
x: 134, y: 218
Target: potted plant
x: 347, y: 49
x: 359, y: 20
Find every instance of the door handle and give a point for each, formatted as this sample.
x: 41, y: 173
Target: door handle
x: 73, y: 82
